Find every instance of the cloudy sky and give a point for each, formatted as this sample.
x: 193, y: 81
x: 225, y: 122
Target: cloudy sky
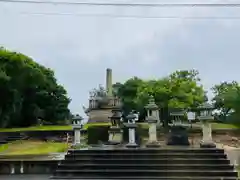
x: 80, y: 47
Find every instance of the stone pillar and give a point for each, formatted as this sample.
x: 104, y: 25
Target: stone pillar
x: 115, y: 135
x: 152, y: 142
x: 109, y: 82
x: 77, y: 136
x: 131, y: 135
x: 207, y: 141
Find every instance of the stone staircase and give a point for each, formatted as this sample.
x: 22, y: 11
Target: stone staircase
x: 162, y: 164
x: 11, y: 138
x: 15, y: 138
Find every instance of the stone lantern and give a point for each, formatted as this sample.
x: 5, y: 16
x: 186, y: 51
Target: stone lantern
x: 77, y: 127
x: 131, y: 125
x: 115, y: 131
x: 205, y: 118
x: 152, y: 108
x: 178, y: 133
x: 152, y: 119
x: 177, y: 116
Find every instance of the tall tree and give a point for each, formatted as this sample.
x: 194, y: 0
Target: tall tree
x: 226, y: 99
x: 180, y: 89
x: 128, y: 93
x: 29, y: 91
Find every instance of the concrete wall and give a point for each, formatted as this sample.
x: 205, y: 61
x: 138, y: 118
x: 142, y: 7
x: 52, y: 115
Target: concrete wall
x: 28, y: 167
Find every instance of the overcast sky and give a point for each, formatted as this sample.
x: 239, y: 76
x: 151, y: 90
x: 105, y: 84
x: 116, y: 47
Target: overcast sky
x: 80, y: 48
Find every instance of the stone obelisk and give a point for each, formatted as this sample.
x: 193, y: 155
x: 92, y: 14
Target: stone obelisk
x: 103, y: 111
x: 109, y: 82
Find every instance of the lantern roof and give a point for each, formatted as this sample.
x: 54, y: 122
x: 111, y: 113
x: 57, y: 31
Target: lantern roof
x: 178, y: 112
x: 205, y: 106
x: 77, y: 118
x: 151, y: 104
x: 131, y: 116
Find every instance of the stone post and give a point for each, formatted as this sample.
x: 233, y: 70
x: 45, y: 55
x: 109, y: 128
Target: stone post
x: 207, y: 141
x: 152, y: 142
x: 109, y: 82
x: 131, y: 130
x: 77, y: 127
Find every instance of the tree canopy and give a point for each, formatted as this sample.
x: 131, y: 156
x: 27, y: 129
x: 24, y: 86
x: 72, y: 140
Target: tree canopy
x: 227, y: 101
x: 29, y: 92
x: 181, y: 89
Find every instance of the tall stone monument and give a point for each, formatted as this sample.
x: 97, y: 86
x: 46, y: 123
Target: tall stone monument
x: 102, y: 102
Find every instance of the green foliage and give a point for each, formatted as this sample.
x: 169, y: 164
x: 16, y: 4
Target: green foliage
x: 51, y: 127
x: 29, y: 92
x: 29, y: 147
x: 180, y: 89
x: 227, y: 101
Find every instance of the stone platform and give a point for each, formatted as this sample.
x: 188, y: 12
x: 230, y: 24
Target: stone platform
x: 145, y: 163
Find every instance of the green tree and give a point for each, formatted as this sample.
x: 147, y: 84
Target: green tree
x: 29, y: 91
x: 227, y: 99
x: 128, y: 93
x: 180, y: 89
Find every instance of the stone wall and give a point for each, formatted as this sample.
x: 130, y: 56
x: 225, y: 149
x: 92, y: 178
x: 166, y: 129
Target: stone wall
x: 100, y: 115
x: 28, y: 167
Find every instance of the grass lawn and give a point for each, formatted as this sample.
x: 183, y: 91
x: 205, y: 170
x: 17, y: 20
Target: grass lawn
x: 49, y: 128
x: 224, y: 126
x: 238, y: 170
x: 198, y: 125
x: 69, y: 127
x: 32, y: 147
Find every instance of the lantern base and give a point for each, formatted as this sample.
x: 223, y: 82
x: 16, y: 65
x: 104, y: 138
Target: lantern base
x: 207, y: 145
x: 131, y: 145
x: 153, y: 144
x: 112, y: 143
x: 115, y: 135
x: 76, y: 146
x: 178, y: 136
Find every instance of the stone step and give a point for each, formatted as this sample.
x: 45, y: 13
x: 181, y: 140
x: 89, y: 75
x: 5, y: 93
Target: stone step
x: 3, y: 142
x: 148, y: 173
x: 14, y: 138
x: 147, y: 166
x: 144, y: 178
x: 147, y: 150
x: 145, y: 161
x: 149, y: 155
